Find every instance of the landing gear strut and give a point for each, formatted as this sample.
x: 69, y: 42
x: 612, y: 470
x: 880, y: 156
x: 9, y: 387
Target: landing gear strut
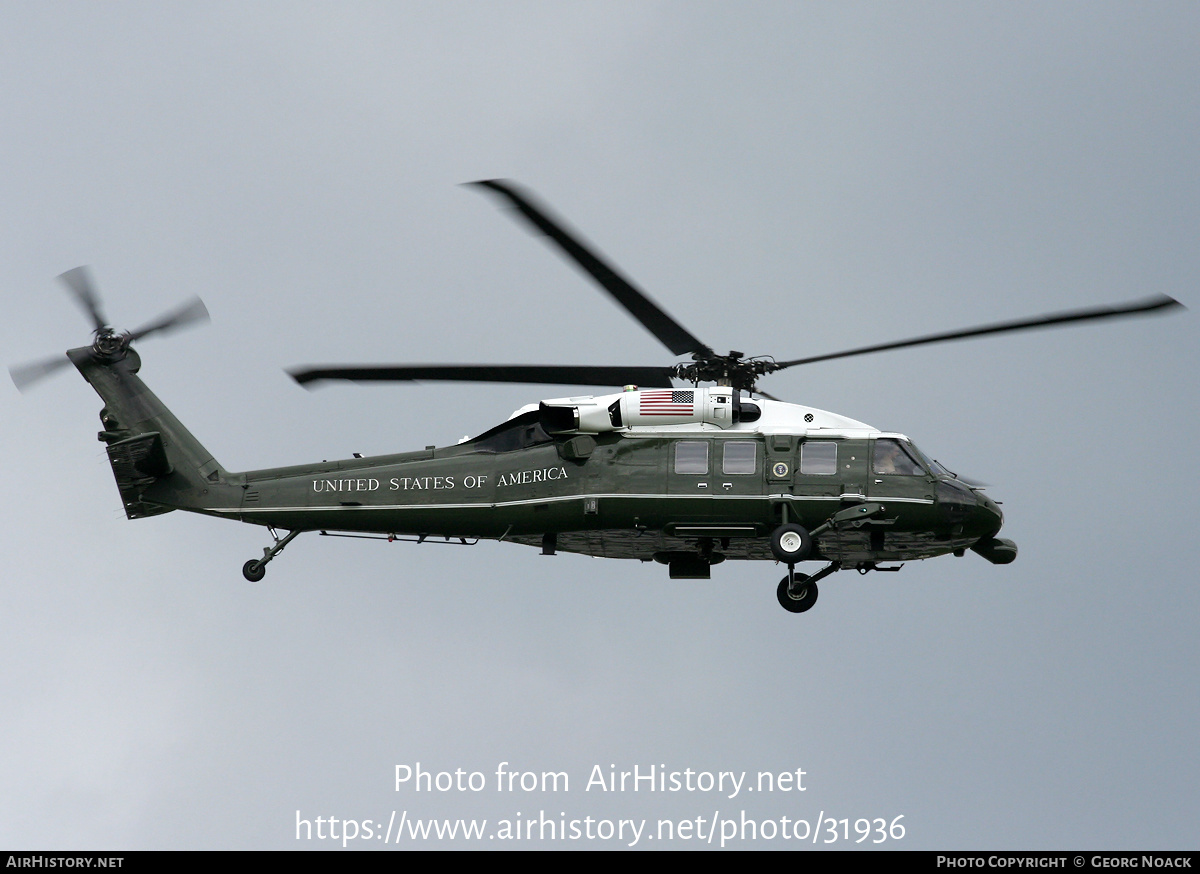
x: 256, y: 568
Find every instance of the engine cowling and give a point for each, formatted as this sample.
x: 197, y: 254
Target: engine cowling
x: 720, y: 405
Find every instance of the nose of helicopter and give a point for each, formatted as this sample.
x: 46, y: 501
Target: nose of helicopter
x: 989, y: 517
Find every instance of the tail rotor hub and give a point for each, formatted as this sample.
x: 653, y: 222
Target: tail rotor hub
x: 108, y: 343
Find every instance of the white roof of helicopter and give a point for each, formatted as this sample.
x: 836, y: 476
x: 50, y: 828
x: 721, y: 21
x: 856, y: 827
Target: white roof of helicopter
x: 778, y: 417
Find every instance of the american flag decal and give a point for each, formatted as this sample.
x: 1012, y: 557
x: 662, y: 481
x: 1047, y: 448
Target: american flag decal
x: 667, y: 403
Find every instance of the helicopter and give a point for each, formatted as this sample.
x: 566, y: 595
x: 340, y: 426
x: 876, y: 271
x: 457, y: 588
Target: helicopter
x: 687, y: 465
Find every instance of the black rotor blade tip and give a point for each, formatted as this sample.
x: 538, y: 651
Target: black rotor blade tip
x: 79, y: 281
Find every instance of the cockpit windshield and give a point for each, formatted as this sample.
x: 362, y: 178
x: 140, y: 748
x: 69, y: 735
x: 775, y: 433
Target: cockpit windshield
x: 934, y: 466
x: 518, y: 432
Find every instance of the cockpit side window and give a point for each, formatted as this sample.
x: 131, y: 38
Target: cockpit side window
x: 893, y: 458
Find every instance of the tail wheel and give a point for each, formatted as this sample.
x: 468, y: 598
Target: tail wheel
x: 803, y: 599
x: 254, y: 570
x: 790, y: 543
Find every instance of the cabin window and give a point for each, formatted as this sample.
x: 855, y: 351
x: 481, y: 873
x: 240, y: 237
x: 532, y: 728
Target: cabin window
x: 818, y: 458
x: 691, y: 456
x: 892, y: 457
x: 740, y: 456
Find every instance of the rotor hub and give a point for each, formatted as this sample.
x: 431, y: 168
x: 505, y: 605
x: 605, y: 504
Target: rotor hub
x: 732, y: 370
x: 108, y: 342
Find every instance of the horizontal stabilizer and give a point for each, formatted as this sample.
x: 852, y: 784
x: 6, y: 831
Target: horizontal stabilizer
x: 137, y: 462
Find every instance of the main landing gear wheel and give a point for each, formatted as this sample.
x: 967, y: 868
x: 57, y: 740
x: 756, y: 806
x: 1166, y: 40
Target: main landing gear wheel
x: 805, y: 597
x: 256, y: 568
x: 790, y: 543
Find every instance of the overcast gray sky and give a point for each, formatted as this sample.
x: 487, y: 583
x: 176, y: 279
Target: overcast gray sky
x: 786, y: 179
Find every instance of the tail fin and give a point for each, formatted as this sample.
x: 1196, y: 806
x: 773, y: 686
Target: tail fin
x: 159, y: 466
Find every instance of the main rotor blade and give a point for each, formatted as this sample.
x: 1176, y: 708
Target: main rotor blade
x: 672, y: 334
x: 1132, y: 308
x: 193, y: 310
x: 521, y: 373
x: 79, y: 280
x: 25, y: 375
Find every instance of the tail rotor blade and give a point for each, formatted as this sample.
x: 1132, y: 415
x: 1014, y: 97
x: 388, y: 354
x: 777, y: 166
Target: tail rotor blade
x: 192, y: 311
x: 79, y: 281
x: 25, y: 375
